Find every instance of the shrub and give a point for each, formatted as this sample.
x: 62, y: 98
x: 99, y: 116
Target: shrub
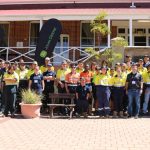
x: 30, y: 97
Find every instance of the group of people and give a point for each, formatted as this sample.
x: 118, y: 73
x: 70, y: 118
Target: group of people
x: 120, y: 91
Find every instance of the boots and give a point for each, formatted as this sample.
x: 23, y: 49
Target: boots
x: 115, y: 114
x: 121, y: 114
x: 85, y: 115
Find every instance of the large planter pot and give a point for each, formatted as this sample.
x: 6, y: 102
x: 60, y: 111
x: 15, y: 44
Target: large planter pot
x: 30, y: 110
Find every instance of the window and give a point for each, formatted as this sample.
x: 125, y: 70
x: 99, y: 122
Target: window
x: 140, y: 41
x: 139, y: 31
x: 4, y: 30
x: 87, y: 37
x: 121, y: 30
x: 34, y: 33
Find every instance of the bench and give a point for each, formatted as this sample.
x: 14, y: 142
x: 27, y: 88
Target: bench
x: 58, y: 96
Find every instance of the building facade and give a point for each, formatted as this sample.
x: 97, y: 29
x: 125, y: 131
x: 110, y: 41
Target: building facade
x: 21, y: 21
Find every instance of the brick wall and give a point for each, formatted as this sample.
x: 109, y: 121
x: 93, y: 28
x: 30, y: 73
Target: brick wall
x: 19, y: 32
x: 72, y: 28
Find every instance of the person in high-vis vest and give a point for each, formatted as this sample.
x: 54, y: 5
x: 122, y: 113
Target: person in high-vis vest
x: 102, y: 83
x: 124, y: 73
x: 141, y: 69
x: 60, y: 77
x: 146, y: 79
x: 11, y: 80
x: 72, y: 79
x: 118, y: 92
x: 87, y: 75
x: 43, y: 68
x: 23, y: 83
x: 80, y: 67
x: 31, y: 70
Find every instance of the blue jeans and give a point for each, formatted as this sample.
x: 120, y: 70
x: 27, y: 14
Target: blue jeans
x: 133, y: 94
x: 146, y: 99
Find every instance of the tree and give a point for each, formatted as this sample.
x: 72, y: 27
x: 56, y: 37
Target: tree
x: 109, y: 54
x: 99, y: 26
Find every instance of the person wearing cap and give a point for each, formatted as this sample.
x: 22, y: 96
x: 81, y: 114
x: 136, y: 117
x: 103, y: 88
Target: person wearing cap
x: 72, y: 80
x: 36, y: 81
x: 118, y: 92
x: 31, y: 70
x: 43, y: 68
x: 141, y: 69
x: 82, y: 97
x: 146, y: 61
x: 22, y: 72
x: 129, y: 59
x: 102, y: 83
x: 134, y: 89
x: 49, y: 77
x: 80, y: 67
x: 7, y: 64
x: 146, y: 79
x: 60, y: 77
x: 11, y: 80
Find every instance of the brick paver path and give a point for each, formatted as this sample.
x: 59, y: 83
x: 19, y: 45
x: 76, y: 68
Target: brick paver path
x: 75, y: 134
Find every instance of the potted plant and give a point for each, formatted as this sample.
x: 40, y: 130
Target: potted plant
x: 31, y: 103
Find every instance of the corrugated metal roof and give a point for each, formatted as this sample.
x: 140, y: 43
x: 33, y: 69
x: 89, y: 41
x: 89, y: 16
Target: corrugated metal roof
x: 2, y: 2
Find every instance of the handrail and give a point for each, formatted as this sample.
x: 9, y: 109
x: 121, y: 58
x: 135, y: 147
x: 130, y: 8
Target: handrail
x: 64, y: 53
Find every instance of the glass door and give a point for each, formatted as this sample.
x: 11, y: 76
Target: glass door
x: 61, y: 48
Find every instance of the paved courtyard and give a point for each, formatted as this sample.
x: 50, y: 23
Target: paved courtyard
x: 75, y: 134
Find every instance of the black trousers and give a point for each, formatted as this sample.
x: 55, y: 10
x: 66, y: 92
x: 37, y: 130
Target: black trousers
x: 118, y: 98
x: 46, y: 100
x: 10, y: 98
x: 82, y: 106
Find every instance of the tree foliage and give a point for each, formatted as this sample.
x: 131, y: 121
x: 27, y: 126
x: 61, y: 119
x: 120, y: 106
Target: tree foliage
x: 100, y: 28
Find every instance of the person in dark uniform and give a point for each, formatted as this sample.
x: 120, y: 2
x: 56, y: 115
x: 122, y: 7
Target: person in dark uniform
x: 2, y: 71
x: 36, y: 81
x: 3, y: 68
x: 82, y: 96
x: 134, y: 89
x: 49, y: 77
x: 11, y: 80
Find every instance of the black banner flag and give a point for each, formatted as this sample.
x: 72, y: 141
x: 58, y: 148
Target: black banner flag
x: 48, y: 38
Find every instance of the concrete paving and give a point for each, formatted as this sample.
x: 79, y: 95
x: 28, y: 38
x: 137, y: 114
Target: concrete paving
x: 74, y: 134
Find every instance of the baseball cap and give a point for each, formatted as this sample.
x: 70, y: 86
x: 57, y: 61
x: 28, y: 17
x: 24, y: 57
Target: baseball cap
x: 47, y: 58
x: 64, y: 62
x: 145, y: 55
x: 35, y: 63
